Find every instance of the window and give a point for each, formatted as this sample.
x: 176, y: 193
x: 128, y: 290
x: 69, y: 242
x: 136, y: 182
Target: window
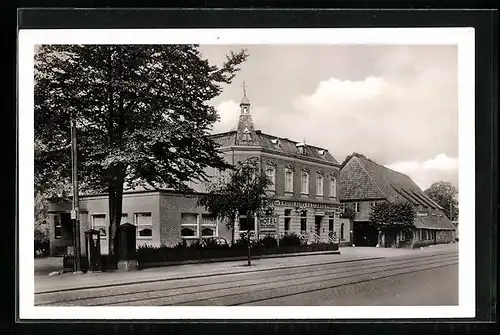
x: 303, y: 220
x: 189, y: 225
x: 319, y: 184
x: 57, y: 227
x: 333, y: 187
x: 99, y: 224
x: 373, y: 204
x: 342, y: 231
x: 288, y: 219
x: 343, y: 208
x: 208, y: 225
x: 356, y: 207
x: 271, y: 175
x: 305, y: 183
x: 331, y: 223
x: 288, y: 180
x: 144, y: 224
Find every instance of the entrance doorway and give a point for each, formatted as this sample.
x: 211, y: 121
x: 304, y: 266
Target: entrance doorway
x: 365, y: 234
x: 317, y: 224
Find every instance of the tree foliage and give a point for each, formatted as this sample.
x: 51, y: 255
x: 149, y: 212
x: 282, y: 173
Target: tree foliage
x: 41, y: 231
x: 142, y: 117
x: 444, y: 193
x: 386, y: 215
x: 242, y: 190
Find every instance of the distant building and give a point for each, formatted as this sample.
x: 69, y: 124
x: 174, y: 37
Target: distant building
x: 305, y: 183
x: 364, y: 182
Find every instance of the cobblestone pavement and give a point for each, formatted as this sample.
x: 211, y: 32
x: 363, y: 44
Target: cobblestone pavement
x: 426, y: 278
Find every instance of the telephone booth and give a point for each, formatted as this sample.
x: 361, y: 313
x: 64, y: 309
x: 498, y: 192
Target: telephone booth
x: 93, y: 249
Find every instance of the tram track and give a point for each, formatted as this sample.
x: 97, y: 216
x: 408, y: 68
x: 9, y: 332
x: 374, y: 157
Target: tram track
x: 216, y: 290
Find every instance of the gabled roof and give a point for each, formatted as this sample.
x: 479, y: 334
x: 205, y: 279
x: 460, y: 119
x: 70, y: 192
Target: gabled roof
x: 278, y: 144
x: 363, y: 179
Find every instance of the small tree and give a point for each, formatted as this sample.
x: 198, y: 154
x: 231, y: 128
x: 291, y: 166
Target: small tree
x: 242, y: 191
x: 399, y: 216
x: 41, y: 231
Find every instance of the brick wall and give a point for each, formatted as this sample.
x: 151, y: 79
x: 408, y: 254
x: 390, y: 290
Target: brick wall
x: 172, y: 206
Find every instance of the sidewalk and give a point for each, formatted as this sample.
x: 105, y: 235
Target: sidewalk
x: 69, y: 281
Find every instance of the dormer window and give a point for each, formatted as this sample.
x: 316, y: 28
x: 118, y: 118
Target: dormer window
x: 322, y: 152
x: 276, y: 142
x: 301, y: 148
x: 245, y: 110
x: 246, y: 135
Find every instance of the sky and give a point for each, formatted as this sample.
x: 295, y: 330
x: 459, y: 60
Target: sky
x: 397, y: 105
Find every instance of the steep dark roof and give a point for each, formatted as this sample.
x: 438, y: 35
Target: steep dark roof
x: 277, y: 144
x: 362, y: 178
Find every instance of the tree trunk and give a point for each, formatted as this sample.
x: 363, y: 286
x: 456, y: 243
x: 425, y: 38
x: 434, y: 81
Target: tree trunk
x: 116, y: 176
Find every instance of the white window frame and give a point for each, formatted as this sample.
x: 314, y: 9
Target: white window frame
x: 58, y: 223
x: 333, y: 187
x: 141, y: 226
x: 272, y: 176
x: 356, y: 207
x: 196, y: 225
x: 304, y: 180
x: 93, y: 225
x: 319, y: 184
x: 285, y: 217
x: 288, y: 181
x: 203, y: 225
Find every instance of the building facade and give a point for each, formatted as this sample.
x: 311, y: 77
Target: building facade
x: 162, y: 217
x: 364, y: 183
x: 304, y: 177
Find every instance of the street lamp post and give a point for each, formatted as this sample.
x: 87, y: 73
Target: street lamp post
x: 75, y: 211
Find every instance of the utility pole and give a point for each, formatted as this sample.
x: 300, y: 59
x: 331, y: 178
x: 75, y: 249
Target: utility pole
x: 75, y: 215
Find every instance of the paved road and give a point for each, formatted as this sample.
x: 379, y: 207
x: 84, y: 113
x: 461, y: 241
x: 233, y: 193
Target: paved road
x: 415, y: 279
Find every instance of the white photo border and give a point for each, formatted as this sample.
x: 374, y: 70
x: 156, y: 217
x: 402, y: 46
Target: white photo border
x: 463, y: 37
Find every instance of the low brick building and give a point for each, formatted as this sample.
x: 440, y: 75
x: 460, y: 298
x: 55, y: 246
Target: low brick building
x: 161, y: 217
x: 364, y: 182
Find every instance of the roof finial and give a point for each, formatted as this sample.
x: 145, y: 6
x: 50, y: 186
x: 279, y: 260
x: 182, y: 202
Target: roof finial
x: 244, y: 100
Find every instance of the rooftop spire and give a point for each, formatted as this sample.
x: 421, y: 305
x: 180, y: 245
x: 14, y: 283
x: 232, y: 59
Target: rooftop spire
x: 244, y: 100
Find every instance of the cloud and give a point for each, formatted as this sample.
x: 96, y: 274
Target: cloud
x: 394, y: 104
x: 228, y: 116
x: 441, y: 162
x: 439, y: 168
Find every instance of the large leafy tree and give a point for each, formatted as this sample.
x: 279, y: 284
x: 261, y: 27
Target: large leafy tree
x: 141, y: 114
x: 241, y: 191
x: 444, y: 193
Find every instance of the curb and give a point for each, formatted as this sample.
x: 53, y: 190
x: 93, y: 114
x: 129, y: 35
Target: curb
x: 238, y: 258
x: 180, y: 277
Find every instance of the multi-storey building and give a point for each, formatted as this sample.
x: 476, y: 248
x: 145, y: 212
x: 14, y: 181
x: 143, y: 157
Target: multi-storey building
x: 304, y: 177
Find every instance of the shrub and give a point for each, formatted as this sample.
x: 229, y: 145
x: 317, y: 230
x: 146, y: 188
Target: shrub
x: 291, y: 239
x: 269, y: 241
